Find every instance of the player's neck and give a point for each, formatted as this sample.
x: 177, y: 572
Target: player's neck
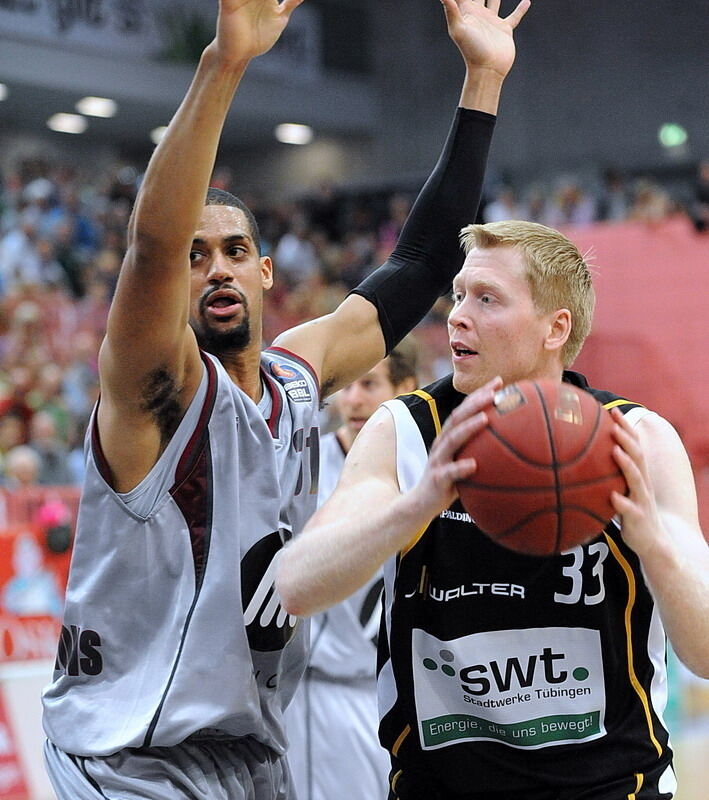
x: 345, y: 438
x: 244, y: 369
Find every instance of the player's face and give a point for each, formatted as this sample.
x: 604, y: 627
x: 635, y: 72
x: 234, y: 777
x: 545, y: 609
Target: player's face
x: 360, y: 399
x: 494, y: 327
x: 227, y: 281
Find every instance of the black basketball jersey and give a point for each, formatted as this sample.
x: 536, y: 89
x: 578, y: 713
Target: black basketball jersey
x: 500, y: 671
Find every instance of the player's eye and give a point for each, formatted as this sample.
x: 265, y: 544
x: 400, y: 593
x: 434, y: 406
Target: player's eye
x: 456, y: 297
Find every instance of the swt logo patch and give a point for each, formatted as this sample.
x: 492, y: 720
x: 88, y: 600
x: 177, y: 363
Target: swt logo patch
x: 525, y: 688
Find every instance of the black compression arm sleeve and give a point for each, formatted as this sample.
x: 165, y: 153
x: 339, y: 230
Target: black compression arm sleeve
x: 428, y: 254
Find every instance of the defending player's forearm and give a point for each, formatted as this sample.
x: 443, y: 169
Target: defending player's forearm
x: 428, y: 254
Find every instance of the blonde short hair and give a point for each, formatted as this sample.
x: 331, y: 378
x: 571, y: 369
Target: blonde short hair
x: 557, y: 273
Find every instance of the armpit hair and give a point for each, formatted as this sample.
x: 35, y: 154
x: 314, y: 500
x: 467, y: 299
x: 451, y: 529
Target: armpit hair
x: 161, y: 399
x: 326, y: 391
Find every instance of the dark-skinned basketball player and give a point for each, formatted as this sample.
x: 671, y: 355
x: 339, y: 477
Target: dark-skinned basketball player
x: 176, y: 659
x: 500, y: 674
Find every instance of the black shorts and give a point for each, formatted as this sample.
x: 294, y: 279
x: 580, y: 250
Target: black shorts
x: 646, y: 786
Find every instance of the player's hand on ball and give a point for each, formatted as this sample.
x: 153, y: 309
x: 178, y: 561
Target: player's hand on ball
x: 438, y: 486
x: 638, y: 509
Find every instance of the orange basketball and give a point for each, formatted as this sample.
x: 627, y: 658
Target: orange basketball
x: 545, y: 468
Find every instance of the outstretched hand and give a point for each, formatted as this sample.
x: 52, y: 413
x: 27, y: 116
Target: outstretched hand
x: 248, y: 28
x: 484, y: 38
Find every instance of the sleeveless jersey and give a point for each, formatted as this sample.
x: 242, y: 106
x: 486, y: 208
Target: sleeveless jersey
x: 334, y: 710
x: 343, y: 638
x: 172, y: 626
x: 500, y: 671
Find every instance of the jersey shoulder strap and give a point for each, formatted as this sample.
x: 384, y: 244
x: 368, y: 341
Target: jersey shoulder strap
x: 606, y: 399
x: 431, y: 406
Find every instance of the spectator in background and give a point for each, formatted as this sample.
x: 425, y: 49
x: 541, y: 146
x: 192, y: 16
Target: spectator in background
x: 314, y: 297
x: 398, y: 209
x: 14, y: 400
x: 47, y: 396
x: 358, y: 254
x: 571, y: 205
x: 67, y: 255
x: 85, y: 234
x: 50, y: 270
x: 21, y: 468
x: 80, y: 377
x: 614, y: 200
x: 650, y: 202
x: 503, y: 206
x: 325, y: 211
x: 295, y: 254
x: 107, y: 261
x: 329, y: 255
x: 24, y: 332
x: 51, y: 450
x: 533, y: 209
x: 93, y: 306
x: 19, y: 260
x: 39, y: 196
x: 12, y: 434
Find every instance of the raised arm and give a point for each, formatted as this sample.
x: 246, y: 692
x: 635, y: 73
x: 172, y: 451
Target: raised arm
x: 391, y: 301
x: 149, y: 361
x: 341, y: 547
x: 661, y: 524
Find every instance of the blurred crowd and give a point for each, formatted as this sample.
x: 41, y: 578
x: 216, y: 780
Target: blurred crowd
x: 62, y: 240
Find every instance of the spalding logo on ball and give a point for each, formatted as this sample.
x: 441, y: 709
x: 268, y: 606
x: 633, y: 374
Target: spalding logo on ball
x: 545, y: 468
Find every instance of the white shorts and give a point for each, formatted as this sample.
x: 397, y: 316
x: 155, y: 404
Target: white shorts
x: 333, y: 746
x: 204, y: 769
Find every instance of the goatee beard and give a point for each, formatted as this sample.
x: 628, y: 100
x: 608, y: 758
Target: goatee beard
x: 222, y: 342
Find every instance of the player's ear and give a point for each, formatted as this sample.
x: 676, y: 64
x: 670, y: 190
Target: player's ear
x: 559, y: 329
x: 266, y: 272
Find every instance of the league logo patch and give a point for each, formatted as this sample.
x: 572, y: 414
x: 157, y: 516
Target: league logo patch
x: 293, y: 381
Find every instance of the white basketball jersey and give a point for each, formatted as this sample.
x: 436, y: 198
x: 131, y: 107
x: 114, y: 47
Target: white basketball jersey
x: 343, y: 638
x: 172, y: 625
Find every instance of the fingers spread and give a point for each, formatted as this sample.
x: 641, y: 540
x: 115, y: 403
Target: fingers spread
x: 452, y: 11
x: 622, y: 505
x: 287, y: 6
x: 631, y: 471
x: 516, y: 16
x: 628, y: 440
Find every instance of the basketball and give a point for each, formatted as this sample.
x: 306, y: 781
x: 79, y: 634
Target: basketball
x: 545, y: 468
